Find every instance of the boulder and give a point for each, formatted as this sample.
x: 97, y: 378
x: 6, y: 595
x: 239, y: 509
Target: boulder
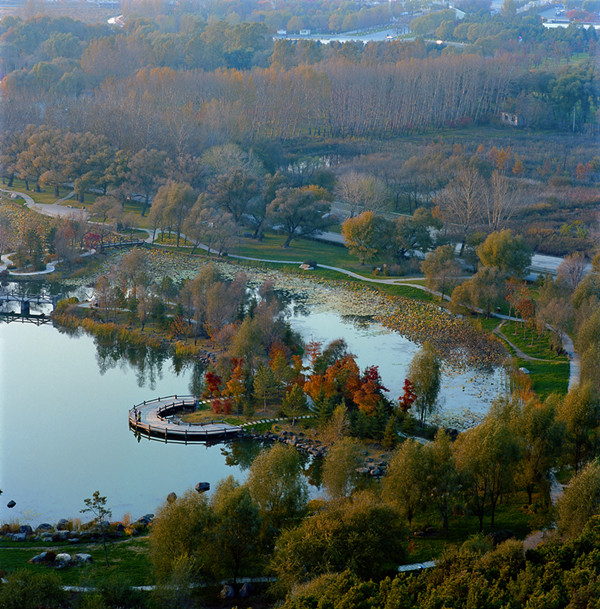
x: 39, y: 558
x: 227, y: 592
x: 202, y: 487
x: 43, y: 527
x: 63, y: 558
x: 171, y: 497
x: 60, y: 536
x: 246, y: 590
x: 25, y: 528
x: 46, y: 537
x: 62, y: 524
x: 11, y: 504
x: 82, y: 558
x: 19, y: 536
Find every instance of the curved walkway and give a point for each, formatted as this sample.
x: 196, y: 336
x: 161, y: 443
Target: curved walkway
x: 150, y: 418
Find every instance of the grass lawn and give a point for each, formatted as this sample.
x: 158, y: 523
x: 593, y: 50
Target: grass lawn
x: 510, y: 516
x: 128, y: 558
x: 408, y: 291
x: 300, y: 250
x: 539, y: 347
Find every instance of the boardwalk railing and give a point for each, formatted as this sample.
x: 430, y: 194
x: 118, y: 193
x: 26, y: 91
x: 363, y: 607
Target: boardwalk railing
x: 173, y: 431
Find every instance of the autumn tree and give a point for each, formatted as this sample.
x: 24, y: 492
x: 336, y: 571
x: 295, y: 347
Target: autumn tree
x: 366, y: 236
x: 264, y: 383
x: 441, y: 269
x: 178, y: 533
x: 507, y: 252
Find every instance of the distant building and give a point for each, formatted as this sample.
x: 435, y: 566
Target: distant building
x: 304, y: 32
x: 282, y: 32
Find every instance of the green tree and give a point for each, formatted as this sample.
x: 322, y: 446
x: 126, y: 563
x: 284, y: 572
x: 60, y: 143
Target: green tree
x: 580, y: 501
x: 298, y: 212
x: 442, y: 483
x: 339, y: 476
x: 235, y: 530
x: 484, y: 290
x: 424, y: 372
x: 507, y: 252
x: 404, y: 482
x: 542, y: 437
x: 580, y: 413
x: 179, y: 533
x: 276, y: 484
x: 360, y: 535
x: 294, y: 403
x: 265, y: 383
x: 96, y: 505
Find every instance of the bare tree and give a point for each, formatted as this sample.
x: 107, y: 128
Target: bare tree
x: 572, y: 270
x: 461, y: 202
x: 501, y: 201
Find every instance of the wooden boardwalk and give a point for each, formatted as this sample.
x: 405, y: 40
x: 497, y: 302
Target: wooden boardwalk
x: 150, y: 419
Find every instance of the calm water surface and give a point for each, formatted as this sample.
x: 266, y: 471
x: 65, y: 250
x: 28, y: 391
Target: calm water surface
x: 63, y: 418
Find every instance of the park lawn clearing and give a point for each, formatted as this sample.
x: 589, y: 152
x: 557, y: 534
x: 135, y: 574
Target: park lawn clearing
x: 128, y: 558
x: 540, y: 347
x: 300, y: 250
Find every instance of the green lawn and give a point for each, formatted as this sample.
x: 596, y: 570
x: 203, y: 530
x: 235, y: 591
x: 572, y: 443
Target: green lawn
x: 539, y: 347
x: 128, y: 559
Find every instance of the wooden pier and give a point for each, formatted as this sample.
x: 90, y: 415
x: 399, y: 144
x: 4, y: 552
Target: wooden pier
x: 150, y: 419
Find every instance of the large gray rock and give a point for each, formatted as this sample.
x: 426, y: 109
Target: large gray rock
x: 62, y: 524
x: 43, y: 527
x: 61, y: 536
x: 39, y: 558
x: 63, y: 558
x: 19, y: 536
x: 25, y: 528
x: 82, y: 558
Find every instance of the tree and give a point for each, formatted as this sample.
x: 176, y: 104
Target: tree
x: 234, y: 533
x: 580, y: 413
x: 298, y: 212
x: 96, y: 504
x: 366, y: 236
x: 176, y: 201
x: 580, y: 501
x: 361, y: 192
x: 339, y: 476
x: 441, y: 269
x: 507, y: 252
x: 233, y: 192
x: 179, y: 533
x: 264, y: 383
x: 424, y: 372
x: 294, y: 403
x: 414, y: 234
x: 485, y: 290
x: 146, y: 168
x: 276, y: 484
x: 486, y: 457
x: 404, y: 482
x: 442, y: 483
x: 359, y: 534
x: 542, y: 437
x: 572, y: 270
x: 461, y: 202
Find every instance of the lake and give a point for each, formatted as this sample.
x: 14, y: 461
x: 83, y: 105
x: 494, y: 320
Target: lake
x: 63, y: 418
